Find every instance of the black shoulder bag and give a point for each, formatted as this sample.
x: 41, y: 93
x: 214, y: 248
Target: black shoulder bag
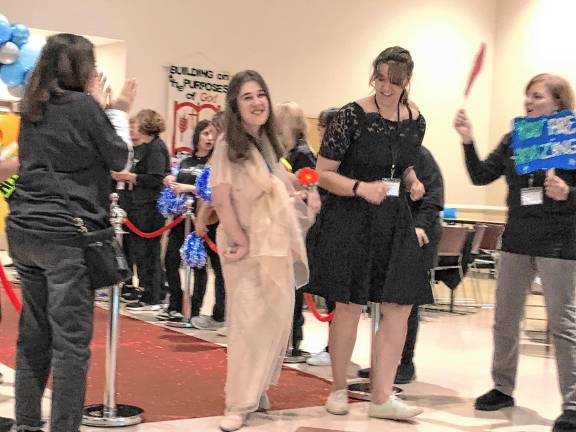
x: 103, y: 256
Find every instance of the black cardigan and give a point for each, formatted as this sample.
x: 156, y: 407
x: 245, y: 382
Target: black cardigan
x: 546, y: 230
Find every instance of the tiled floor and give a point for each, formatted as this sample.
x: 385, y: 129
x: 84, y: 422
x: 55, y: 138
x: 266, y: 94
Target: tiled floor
x: 453, y: 362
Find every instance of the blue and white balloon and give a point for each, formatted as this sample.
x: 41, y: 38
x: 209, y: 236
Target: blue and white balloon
x: 9, y: 53
x: 13, y: 74
x: 5, y: 31
x: 29, y: 54
x: 20, y: 34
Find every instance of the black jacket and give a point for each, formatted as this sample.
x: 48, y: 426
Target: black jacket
x: 546, y: 230
x: 80, y: 143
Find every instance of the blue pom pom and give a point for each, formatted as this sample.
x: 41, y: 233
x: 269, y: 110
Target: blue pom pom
x: 169, y: 204
x: 203, y: 189
x: 193, y: 252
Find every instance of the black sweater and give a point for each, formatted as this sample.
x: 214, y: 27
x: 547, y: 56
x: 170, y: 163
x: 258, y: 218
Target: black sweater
x: 151, y: 165
x: 546, y: 230
x: 82, y: 146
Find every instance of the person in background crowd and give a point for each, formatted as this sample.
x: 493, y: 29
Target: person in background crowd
x: 292, y: 134
x: 428, y: 227
x: 151, y: 165
x: 324, y: 119
x: 190, y: 168
x: 67, y: 147
x: 260, y: 243
x: 363, y: 246
x: 539, y: 238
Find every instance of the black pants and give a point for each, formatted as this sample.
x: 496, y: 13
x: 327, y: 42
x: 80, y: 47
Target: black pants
x: 145, y: 252
x: 411, y: 335
x: 298, y: 319
x: 55, y: 330
x: 172, y: 264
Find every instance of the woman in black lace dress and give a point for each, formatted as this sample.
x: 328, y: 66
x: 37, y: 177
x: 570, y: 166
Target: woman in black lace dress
x: 363, y: 246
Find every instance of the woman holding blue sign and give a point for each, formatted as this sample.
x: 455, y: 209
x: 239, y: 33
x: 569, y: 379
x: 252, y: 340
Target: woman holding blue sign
x: 540, y: 238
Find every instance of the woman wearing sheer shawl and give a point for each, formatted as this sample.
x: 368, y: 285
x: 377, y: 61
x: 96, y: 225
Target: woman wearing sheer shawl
x: 261, y: 245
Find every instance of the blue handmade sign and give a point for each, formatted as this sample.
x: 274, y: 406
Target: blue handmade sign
x: 541, y: 143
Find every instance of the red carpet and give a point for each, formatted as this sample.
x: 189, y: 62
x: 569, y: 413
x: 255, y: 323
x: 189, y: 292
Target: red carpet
x: 168, y: 374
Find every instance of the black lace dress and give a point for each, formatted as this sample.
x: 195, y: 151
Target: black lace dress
x: 360, y: 252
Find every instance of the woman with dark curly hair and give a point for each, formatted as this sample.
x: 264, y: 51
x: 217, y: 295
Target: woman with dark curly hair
x: 151, y: 165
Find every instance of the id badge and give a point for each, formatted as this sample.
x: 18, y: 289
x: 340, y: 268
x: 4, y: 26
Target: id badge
x: 393, y: 185
x: 531, y: 196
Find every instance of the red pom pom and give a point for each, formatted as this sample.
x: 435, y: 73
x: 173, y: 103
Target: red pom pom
x: 308, y: 177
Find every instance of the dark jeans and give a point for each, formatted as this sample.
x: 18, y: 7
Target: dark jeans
x: 145, y: 252
x: 172, y: 264
x: 55, y: 330
x: 298, y: 320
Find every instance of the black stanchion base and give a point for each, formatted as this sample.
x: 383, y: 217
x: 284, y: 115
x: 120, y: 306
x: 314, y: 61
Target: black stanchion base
x: 126, y: 415
x: 362, y: 390
x: 6, y: 424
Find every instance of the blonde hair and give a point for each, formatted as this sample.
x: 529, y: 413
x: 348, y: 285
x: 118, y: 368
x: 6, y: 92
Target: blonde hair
x: 291, y: 123
x: 558, y: 87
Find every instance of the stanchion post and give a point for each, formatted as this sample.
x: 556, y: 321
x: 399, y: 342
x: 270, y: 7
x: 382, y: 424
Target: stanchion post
x: 186, y: 300
x: 110, y: 414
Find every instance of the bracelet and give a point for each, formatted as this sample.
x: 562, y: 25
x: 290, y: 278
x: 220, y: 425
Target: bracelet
x: 355, y: 188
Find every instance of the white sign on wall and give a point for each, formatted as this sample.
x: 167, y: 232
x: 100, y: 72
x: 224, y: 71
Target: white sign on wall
x: 194, y: 94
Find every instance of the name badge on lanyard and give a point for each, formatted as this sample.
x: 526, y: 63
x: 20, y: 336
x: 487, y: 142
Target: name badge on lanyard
x: 531, y: 196
x: 392, y: 183
x: 393, y: 186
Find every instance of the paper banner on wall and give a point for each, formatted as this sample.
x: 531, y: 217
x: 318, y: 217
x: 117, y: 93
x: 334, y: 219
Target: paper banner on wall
x: 194, y: 94
x: 541, y: 143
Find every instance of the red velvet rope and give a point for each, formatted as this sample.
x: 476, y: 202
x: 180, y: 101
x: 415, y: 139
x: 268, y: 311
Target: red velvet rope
x: 156, y: 233
x: 9, y: 290
x: 314, y: 309
x: 307, y: 296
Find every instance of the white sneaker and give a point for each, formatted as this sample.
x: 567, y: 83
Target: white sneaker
x: 319, y: 359
x: 203, y: 322
x: 393, y: 409
x: 337, y: 402
x: 222, y: 331
x: 232, y: 422
x: 143, y: 307
x: 1, y: 378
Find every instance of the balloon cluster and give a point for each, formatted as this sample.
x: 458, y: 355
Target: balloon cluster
x: 193, y: 252
x: 18, y: 55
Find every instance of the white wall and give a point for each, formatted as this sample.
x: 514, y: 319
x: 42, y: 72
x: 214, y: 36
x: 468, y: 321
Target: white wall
x: 533, y: 36
x: 315, y: 52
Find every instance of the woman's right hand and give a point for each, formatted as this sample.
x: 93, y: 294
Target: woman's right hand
x: 169, y: 179
x: 374, y: 192
x: 126, y: 97
x: 463, y: 126
x: 237, y: 251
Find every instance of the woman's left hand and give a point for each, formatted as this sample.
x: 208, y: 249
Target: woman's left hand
x: 417, y: 190
x: 555, y: 187
x: 179, y: 188
x: 313, y: 202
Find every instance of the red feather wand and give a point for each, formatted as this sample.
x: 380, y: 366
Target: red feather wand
x: 476, y: 68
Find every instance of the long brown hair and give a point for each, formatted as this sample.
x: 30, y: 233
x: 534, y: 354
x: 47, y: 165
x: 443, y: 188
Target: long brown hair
x: 400, y: 67
x: 66, y: 63
x: 239, y: 141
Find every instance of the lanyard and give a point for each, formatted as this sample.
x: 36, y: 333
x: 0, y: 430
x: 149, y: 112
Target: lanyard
x: 395, y: 144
